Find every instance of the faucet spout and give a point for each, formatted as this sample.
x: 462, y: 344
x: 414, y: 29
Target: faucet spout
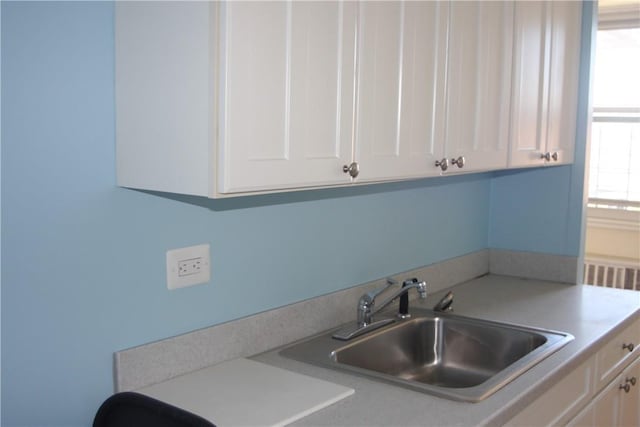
x: 421, y: 287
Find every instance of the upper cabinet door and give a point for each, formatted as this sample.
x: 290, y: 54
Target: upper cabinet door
x: 545, y: 88
x: 479, y: 83
x: 529, y: 84
x: 564, y: 72
x: 287, y: 82
x: 400, y: 89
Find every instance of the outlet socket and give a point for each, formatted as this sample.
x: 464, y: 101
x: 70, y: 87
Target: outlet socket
x: 188, y: 266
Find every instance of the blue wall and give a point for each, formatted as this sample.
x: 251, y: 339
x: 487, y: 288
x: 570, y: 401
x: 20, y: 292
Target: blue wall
x: 83, y: 271
x: 539, y: 200
x: 542, y: 210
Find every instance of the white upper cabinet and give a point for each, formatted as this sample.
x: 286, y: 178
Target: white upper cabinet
x: 479, y: 85
x: 545, y: 86
x: 566, y: 22
x: 400, y: 88
x: 219, y: 99
x: 529, y: 71
x: 287, y: 87
x: 165, y: 115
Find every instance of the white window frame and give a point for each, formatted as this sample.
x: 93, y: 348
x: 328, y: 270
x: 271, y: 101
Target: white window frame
x: 615, y: 17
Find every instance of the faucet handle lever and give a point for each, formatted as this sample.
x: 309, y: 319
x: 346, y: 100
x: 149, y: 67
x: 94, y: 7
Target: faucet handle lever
x: 372, y: 295
x: 367, y: 301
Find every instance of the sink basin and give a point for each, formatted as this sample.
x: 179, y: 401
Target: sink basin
x: 443, y: 354
x: 441, y: 351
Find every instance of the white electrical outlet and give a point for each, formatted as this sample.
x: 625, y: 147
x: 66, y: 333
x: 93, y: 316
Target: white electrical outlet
x: 188, y: 266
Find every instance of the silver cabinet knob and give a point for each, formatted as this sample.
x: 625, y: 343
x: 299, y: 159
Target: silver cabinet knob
x: 442, y: 164
x: 546, y: 156
x: 554, y: 156
x: 458, y: 162
x: 353, y: 169
x: 629, y: 347
x: 626, y: 387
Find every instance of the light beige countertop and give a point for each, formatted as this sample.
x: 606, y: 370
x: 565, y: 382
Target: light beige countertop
x: 590, y: 314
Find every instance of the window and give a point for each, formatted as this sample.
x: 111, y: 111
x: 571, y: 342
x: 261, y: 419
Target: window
x: 614, y: 170
x: 612, y: 246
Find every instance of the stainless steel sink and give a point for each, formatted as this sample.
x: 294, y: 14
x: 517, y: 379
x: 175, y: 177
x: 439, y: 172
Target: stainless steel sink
x: 438, y: 353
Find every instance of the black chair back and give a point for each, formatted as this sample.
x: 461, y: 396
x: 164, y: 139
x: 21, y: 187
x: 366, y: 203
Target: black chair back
x: 130, y: 409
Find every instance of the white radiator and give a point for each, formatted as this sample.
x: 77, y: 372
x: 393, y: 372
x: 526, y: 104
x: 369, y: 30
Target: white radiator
x: 611, y: 275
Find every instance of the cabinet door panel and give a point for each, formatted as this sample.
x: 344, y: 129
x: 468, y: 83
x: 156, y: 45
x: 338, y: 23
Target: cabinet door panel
x: 563, y: 78
x: 606, y: 406
x: 584, y: 419
x: 248, y: 77
x: 614, y: 406
x: 421, y: 130
x: 630, y: 402
x: 560, y: 402
x: 615, y: 354
x: 380, y: 82
x: 479, y: 83
x: 287, y: 81
x: 530, y: 50
x: 400, y: 88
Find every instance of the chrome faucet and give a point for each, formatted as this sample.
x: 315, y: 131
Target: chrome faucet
x: 367, y: 307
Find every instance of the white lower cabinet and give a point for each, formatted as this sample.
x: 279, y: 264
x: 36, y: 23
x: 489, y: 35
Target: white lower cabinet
x: 630, y: 401
x: 604, y: 391
x: 558, y: 404
x: 617, y: 405
x: 584, y: 418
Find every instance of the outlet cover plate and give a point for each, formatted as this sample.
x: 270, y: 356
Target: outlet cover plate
x: 188, y: 266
